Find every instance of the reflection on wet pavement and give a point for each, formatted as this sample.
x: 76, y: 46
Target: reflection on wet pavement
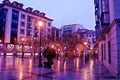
x: 15, y: 68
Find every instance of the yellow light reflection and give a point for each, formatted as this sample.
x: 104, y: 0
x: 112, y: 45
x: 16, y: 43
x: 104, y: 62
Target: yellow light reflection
x: 85, y: 76
x: 77, y: 64
x: 91, y: 64
x: 58, y: 66
x: 20, y: 74
x: 64, y: 66
x: 30, y: 65
x: 20, y: 69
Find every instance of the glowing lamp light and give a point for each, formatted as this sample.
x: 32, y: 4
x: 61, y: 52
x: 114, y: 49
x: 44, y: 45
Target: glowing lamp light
x: 52, y: 46
x: 0, y: 40
x: 58, y: 49
x: 22, y: 39
x: 85, y: 43
x: 91, y: 48
x: 40, y: 23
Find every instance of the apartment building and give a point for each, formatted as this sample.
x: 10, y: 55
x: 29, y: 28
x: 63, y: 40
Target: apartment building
x: 107, y: 14
x: 17, y: 23
x: 56, y: 34
x: 88, y: 36
x: 70, y: 29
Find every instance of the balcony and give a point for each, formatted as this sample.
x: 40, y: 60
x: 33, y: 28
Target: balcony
x: 100, y: 37
x: 36, y: 29
x: 36, y: 35
x: 28, y: 34
x: 105, y: 22
x: 29, y: 28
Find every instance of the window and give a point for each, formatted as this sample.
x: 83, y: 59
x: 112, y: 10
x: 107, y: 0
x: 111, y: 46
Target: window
x: 93, y: 40
x: 22, y: 31
x: 22, y: 16
x: 28, y: 33
x: 48, y: 30
x: 22, y: 24
x: 86, y: 35
x: 35, y: 34
x: 90, y: 35
x: 49, y: 24
x: 29, y: 19
x: 109, y: 52
x: 29, y: 24
x: 104, y: 52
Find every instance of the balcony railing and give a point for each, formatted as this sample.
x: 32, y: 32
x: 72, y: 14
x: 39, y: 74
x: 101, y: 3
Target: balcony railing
x: 105, y: 22
x: 29, y: 27
x: 35, y: 28
x: 36, y: 35
x: 100, y: 37
x: 29, y: 34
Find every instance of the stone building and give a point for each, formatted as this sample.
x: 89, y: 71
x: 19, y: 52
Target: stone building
x: 107, y: 14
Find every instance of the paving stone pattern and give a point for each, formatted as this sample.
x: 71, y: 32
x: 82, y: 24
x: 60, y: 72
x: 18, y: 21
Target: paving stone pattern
x: 16, y: 68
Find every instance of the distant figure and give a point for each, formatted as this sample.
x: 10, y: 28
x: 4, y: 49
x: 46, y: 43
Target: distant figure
x: 66, y: 54
x: 57, y: 55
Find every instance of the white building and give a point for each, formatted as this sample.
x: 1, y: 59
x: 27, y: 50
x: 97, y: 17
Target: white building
x: 88, y: 36
x: 70, y: 29
x: 17, y: 23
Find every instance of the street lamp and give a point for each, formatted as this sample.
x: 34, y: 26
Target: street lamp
x: 40, y: 24
x: 85, y: 44
x: 52, y: 46
x: 0, y: 40
x: 22, y: 47
x: 91, y: 52
x: 34, y: 46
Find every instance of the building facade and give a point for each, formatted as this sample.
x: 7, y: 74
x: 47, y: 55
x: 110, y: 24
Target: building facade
x: 17, y: 23
x: 107, y: 14
x: 73, y: 38
x: 70, y: 29
x: 56, y: 34
x: 87, y: 35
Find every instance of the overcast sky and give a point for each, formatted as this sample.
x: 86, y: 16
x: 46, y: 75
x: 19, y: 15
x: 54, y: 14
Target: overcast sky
x: 65, y: 12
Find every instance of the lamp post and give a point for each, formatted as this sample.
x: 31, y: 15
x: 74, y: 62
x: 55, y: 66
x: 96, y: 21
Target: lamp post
x: 91, y: 52
x: 22, y: 47
x: 85, y: 44
x: 34, y: 46
x: 40, y: 24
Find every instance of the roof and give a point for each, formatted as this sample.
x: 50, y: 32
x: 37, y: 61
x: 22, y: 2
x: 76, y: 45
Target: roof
x: 11, y: 5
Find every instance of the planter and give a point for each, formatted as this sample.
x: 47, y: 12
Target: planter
x: 48, y: 64
x: 49, y: 54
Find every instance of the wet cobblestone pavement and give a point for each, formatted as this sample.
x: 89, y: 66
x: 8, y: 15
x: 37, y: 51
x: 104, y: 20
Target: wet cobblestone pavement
x: 15, y: 68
